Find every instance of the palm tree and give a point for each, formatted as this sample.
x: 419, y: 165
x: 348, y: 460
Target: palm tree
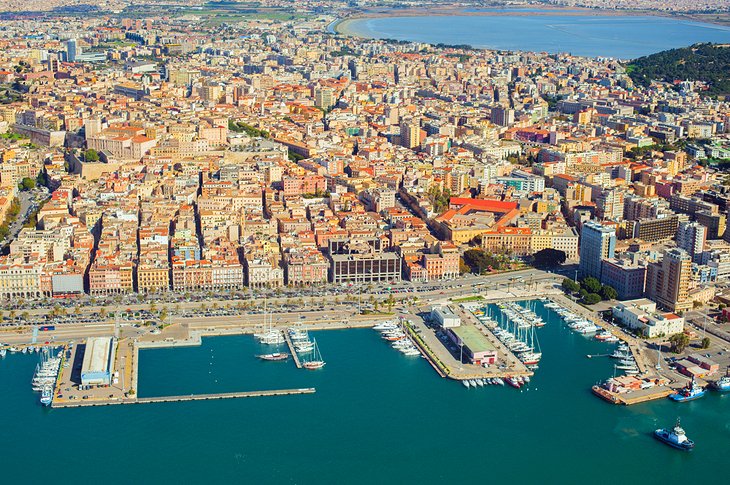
x: 12, y: 315
x: 102, y: 312
x: 390, y: 302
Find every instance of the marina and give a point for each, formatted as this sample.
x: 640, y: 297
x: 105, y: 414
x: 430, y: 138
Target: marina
x: 361, y: 372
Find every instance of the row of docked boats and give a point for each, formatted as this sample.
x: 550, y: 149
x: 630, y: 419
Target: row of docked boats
x: 487, y: 381
x: 626, y: 360
x: 30, y: 349
x: 46, y: 374
x: 521, y: 316
x: 519, y: 336
x: 576, y: 322
x: 393, y: 332
x: 307, y: 349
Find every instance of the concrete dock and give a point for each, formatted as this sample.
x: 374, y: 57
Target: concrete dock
x: 632, y: 397
x: 292, y: 350
x: 191, y: 397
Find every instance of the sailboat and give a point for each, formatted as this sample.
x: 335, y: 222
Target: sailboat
x: 316, y: 361
x: 532, y: 357
x: 270, y: 337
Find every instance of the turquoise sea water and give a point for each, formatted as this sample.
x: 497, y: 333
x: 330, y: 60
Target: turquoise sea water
x: 624, y: 37
x: 377, y: 417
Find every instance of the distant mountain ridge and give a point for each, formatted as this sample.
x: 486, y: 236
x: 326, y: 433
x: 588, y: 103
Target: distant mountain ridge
x: 709, y: 63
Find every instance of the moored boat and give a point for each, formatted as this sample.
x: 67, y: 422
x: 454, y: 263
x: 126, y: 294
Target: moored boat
x: 690, y: 392
x: 315, y: 361
x: 275, y: 356
x: 722, y: 384
x: 512, y: 382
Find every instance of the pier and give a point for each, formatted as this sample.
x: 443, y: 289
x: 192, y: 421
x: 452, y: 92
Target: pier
x: 191, y: 397
x: 292, y: 350
x: 632, y: 397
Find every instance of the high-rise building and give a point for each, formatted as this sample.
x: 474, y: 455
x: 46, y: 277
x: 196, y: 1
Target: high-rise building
x: 597, y: 242
x: 410, y: 133
x: 691, y: 237
x: 503, y: 116
x: 667, y: 282
x: 72, y: 50
x: 324, y: 97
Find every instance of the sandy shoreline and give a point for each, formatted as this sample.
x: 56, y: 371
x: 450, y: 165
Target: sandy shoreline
x: 343, y: 26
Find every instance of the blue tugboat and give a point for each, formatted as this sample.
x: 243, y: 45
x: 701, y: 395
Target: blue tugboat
x: 688, y: 393
x: 675, y: 438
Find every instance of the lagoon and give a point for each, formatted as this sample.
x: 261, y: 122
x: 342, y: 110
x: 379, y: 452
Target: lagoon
x: 618, y: 36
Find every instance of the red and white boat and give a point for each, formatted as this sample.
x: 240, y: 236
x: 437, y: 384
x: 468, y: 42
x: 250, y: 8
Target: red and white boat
x: 513, y: 382
x: 605, y: 335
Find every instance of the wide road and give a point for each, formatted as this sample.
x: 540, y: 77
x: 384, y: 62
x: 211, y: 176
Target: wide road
x: 326, y: 310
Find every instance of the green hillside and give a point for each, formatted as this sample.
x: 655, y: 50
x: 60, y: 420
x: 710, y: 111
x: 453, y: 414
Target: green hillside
x: 709, y: 63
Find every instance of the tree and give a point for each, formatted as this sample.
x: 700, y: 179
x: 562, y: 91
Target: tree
x: 91, y: 155
x: 679, y: 342
x: 102, y: 312
x: 608, y: 292
x: 591, y: 298
x: 570, y: 286
x: 591, y: 284
x: 390, y: 302
x: 705, y: 344
x: 549, y: 257
x: 27, y: 183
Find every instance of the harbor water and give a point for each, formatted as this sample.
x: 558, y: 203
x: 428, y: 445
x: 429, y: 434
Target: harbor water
x: 377, y: 416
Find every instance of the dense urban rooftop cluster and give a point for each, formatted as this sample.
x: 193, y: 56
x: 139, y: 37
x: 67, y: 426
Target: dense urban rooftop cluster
x: 188, y: 156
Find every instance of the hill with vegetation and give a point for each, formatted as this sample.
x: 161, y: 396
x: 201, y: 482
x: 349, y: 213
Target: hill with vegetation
x: 709, y: 63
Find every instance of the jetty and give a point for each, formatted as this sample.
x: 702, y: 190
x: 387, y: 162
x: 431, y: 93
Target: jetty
x: 632, y: 397
x: 292, y: 350
x: 191, y: 397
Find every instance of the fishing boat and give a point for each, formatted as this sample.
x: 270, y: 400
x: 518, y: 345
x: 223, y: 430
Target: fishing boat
x: 676, y: 438
x: 690, y: 392
x: 276, y: 356
x: 315, y: 361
